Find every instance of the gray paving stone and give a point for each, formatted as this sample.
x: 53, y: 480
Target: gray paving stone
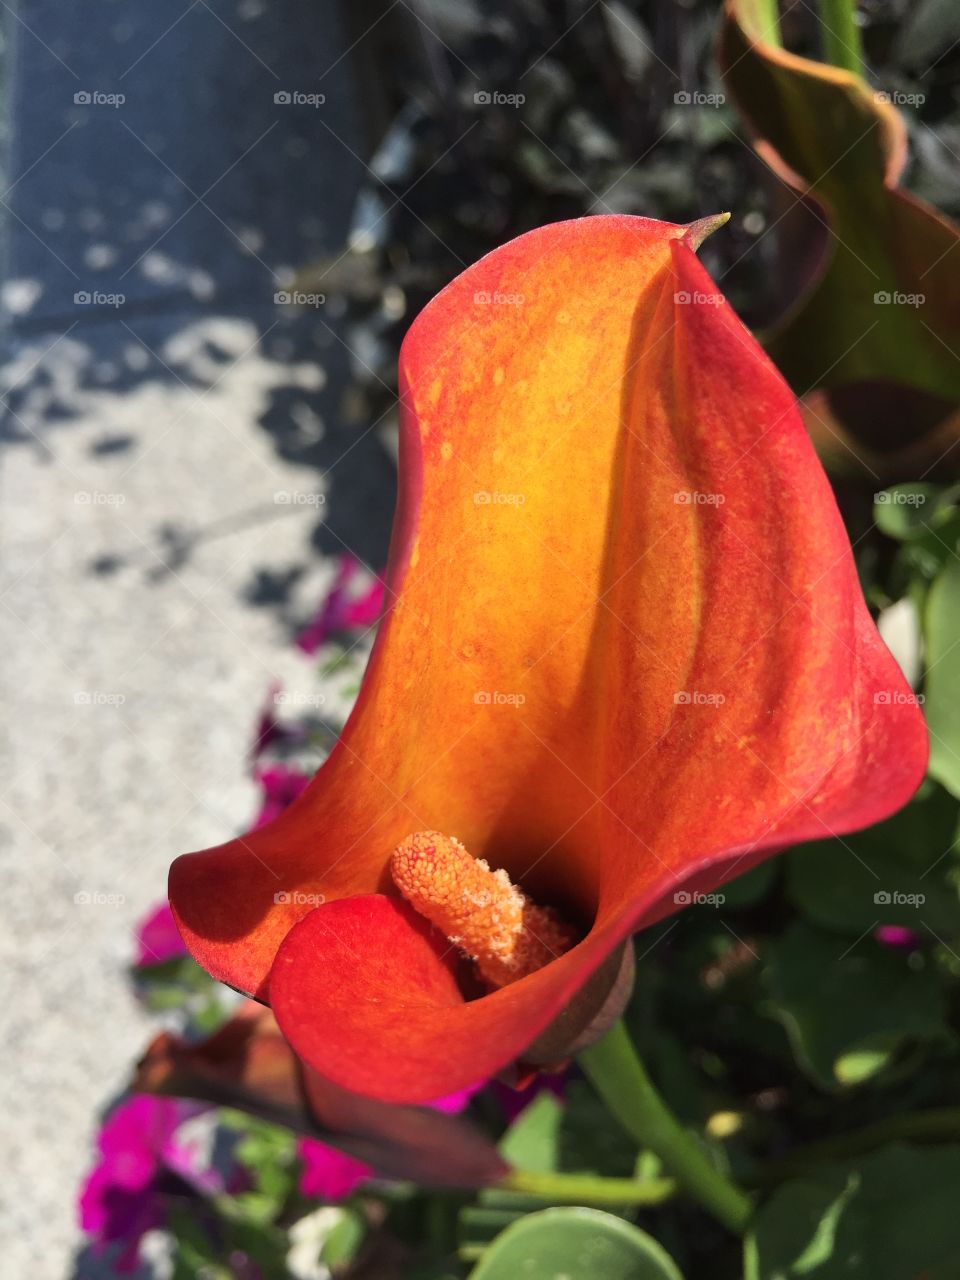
x: 150, y: 577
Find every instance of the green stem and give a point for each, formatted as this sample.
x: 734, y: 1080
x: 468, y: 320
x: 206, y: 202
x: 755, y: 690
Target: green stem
x: 841, y: 35
x: 617, y: 1074
x: 767, y: 17
x: 585, y: 1188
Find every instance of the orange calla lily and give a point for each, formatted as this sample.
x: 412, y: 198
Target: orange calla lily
x: 625, y: 657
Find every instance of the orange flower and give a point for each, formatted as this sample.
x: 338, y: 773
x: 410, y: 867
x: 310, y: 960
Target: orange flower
x: 625, y: 657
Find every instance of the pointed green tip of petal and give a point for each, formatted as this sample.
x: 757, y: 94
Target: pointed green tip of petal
x: 696, y: 232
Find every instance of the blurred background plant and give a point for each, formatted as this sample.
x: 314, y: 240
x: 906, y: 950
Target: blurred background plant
x: 482, y: 122
x: 485, y: 122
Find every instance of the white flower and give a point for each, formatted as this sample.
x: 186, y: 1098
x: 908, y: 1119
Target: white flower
x: 308, y: 1236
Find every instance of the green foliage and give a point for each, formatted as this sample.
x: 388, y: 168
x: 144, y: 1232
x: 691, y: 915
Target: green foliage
x: 890, y: 1216
x: 908, y: 511
x: 179, y: 986
x: 268, y: 1154
x: 943, y: 675
x: 344, y: 1239
x: 586, y: 1138
x: 775, y: 1024
x: 748, y: 890
x: 876, y: 1002
x: 577, y: 1244
x: 225, y: 1231
x: 904, y: 871
x: 533, y: 1141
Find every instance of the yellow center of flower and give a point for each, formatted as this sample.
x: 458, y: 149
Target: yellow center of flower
x: 479, y: 910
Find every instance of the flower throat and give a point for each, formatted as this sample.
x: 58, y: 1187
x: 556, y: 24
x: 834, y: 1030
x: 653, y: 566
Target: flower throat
x: 489, y: 919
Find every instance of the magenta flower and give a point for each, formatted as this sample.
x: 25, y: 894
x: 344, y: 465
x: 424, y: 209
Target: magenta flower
x: 125, y: 1195
x: 454, y: 1103
x: 158, y: 938
x: 281, y: 784
x: 327, y: 1173
x: 897, y: 936
x: 270, y: 732
x: 514, y: 1101
x: 343, y: 609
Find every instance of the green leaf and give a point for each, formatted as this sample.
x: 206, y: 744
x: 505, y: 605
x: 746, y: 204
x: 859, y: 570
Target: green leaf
x: 343, y: 1243
x: 532, y: 1141
x: 942, y: 687
x: 588, y: 1142
x: 902, y: 871
x: 575, y: 1244
x: 871, y: 327
x: 255, y: 1208
x: 336, y: 658
x: 746, y: 890
x: 848, y: 1009
x: 181, y: 986
x: 479, y: 1225
x: 888, y: 1216
x: 263, y: 1243
x: 268, y: 1152
x: 931, y: 544
x: 195, y: 1252
x: 904, y: 510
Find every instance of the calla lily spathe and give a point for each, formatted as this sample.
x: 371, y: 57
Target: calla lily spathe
x: 625, y: 656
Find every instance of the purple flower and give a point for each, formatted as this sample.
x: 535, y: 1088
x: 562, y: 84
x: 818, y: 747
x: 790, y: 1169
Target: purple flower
x: 328, y: 1173
x: 269, y: 731
x: 123, y: 1196
x: 158, y: 937
x: 343, y: 610
x: 513, y: 1101
x: 454, y: 1103
x: 281, y: 784
x: 897, y: 936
